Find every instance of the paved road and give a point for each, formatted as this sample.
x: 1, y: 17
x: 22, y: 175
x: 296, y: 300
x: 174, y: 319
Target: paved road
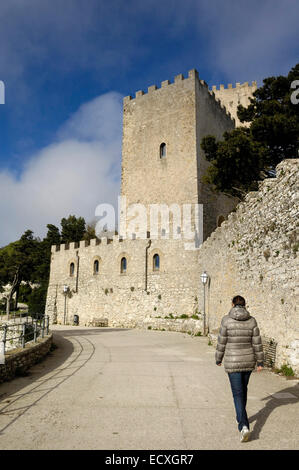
x: 108, y: 388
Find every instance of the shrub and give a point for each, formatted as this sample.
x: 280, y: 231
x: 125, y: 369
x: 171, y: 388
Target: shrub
x: 286, y: 370
x: 170, y: 316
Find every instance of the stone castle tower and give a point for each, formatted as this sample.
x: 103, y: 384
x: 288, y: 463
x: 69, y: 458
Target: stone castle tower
x: 126, y: 279
x: 162, y: 162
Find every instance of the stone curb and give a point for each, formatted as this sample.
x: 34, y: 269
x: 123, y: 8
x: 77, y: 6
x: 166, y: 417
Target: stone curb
x: 18, y: 361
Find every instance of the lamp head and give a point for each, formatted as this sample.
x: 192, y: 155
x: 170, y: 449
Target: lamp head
x: 204, y: 277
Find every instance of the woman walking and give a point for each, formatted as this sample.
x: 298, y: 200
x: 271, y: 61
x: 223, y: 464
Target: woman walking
x: 240, y: 343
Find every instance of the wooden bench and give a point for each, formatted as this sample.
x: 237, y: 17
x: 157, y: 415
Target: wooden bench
x: 99, y: 322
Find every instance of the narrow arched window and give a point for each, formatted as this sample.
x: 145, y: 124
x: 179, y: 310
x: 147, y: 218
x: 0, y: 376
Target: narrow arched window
x: 156, y: 262
x: 123, y: 265
x: 163, y: 150
x: 72, y: 269
x: 96, y: 266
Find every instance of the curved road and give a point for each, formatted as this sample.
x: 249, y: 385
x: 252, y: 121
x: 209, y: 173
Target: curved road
x: 106, y: 388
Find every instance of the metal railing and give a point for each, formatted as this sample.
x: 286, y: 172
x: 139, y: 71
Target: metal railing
x: 27, y: 331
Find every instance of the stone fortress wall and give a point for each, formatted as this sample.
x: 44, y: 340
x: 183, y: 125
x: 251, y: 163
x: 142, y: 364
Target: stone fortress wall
x: 255, y: 254
x: 123, y: 298
x: 231, y: 97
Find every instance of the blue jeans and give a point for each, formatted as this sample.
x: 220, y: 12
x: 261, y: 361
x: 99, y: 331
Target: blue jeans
x: 239, y: 382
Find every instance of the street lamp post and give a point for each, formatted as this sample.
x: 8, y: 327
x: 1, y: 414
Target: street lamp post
x: 204, y: 279
x: 65, y: 292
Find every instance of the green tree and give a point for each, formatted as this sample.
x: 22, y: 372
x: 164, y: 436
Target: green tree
x: 53, y: 236
x: 43, y: 254
x: 29, y: 258
x: 90, y: 231
x: 17, y: 264
x: 24, y: 292
x: 72, y: 229
x: 41, y: 272
x: 37, y: 300
x: 248, y: 154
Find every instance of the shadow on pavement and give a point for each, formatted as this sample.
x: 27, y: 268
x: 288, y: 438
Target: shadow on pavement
x: 273, y: 402
x: 63, y: 348
x: 14, y: 402
x: 58, y: 366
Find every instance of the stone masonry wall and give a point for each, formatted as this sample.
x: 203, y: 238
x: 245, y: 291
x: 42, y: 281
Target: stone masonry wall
x: 17, y: 361
x: 189, y: 325
x: 255, y: 254
x: 122, y: 298
x: 231, y: 97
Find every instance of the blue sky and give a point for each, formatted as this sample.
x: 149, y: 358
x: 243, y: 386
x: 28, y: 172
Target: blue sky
x: 67, y: 64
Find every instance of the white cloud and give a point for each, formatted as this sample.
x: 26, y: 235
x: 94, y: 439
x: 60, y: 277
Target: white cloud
x: 99, y: 119
x: 80, y: 170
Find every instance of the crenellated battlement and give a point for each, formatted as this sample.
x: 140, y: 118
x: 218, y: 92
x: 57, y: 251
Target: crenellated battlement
x: 103, y: 241
x: 192, y: 74
x: 179, y: 79
x: 231, y: 97
x: 217, y: 101
x: 236, y: 87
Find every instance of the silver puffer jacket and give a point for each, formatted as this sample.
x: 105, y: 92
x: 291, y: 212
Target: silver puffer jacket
x: 239, y: 341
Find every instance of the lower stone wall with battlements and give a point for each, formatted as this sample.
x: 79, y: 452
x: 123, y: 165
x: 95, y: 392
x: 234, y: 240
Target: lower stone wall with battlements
x: 231, y: 97
x: 255, y: 254
x: 124, y: 298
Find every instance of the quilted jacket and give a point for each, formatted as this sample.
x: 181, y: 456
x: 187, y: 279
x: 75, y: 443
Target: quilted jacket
x: 239, y: 341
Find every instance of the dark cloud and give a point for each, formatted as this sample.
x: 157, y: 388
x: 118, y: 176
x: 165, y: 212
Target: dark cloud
x: 241, y: 40
x: 250, y: 40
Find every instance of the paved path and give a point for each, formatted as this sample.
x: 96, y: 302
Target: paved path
x: 106, y: 388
